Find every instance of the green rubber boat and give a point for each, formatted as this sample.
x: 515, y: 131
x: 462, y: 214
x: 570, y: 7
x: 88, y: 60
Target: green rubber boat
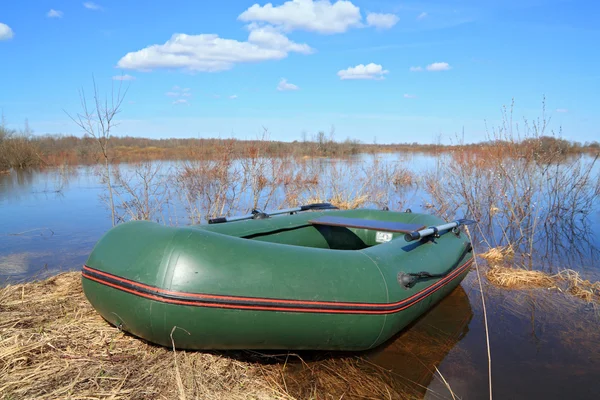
x: 320, y: 280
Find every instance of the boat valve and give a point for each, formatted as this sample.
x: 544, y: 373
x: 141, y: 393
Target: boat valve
x: 406, y: 280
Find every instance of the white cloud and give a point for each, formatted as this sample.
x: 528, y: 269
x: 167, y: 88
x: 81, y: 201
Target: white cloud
x: 181, y: 101
x: 210, y: 53
x: 316, y: 16
x: 434, y: 67
x: 382, y: 21
x: 409, y: 96
x: 92, y: 6
x: 54, y: 13
x: 233, y: 96
x: 284, y: 85
x: 177, y: 91
x: 269, y: 37
x: 421, y: 16
x: 369, y: 71
x: 438, y: 66
x: 5, y: 32
x: 123, y: 78
x: 561, y: 110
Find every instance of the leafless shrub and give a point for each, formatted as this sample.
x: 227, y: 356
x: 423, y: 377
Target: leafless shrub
x: 97, y: 121
x: 345, y: 184
x: 514, y: 186
x: 263, y: 175
x: 16, y: 148
x: 210, y: 188
x: 142, y: 191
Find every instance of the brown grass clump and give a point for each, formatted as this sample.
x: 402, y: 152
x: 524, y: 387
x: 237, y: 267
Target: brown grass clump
x: 578, y: 287
x: 517, y: 278
x: 340, y: 201
x: 349, y: 202
x: 54, y: 345
x: 567, y: 281
x: 403, y: 178
x: 498, y: 255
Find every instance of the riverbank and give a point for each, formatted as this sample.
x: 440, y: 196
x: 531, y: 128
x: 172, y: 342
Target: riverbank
x: 54, y: 345
x: 22, y: 150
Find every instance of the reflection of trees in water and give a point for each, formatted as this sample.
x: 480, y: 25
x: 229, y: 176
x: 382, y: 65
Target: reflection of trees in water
x: 567, y: 244
x: 16, y: 183
x: 415, y: 352
x: 21, y: 183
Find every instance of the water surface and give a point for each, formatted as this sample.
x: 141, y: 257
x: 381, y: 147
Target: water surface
x: 543, y: 344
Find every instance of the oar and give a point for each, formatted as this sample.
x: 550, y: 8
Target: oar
x: 257, y: 214
x: 433, y: 230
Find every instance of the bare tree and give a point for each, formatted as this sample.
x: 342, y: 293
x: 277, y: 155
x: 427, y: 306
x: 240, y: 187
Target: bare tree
x: 142, y: 191
x: 97, y: 122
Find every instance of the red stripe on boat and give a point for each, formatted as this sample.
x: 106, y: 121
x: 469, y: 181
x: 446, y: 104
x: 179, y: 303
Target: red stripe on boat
x: 271, y: 304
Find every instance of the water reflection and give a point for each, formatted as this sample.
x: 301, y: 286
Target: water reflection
x: 49, y: 221
x: 541, y: 348
x: 415, y: 353
x: 570, y: 244
x: 20, y: 184
x: 69, y: 202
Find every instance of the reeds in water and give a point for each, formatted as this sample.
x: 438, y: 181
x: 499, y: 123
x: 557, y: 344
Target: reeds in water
x: 566, y: 281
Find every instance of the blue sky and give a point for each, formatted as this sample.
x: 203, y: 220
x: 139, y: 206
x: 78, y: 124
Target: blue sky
x: 374, y: 70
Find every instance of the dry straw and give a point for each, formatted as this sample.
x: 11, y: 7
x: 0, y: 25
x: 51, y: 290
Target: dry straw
x: 567, y: 280
x: 54, y: 345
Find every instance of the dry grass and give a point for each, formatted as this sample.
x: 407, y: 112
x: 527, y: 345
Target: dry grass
x: 54, y: 345
x: 509, y: 277
x: 350, y: 202
x: 403, y: 178
x: 498, y: 255
x: 567, y: 281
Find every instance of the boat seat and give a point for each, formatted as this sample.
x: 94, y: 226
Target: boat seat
x: 385, y: 226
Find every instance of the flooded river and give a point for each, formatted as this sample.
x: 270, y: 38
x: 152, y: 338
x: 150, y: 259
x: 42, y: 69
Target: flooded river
x: 543, y: 343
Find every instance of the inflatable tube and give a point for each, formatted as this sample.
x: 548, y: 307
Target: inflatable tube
x: 331, y: 280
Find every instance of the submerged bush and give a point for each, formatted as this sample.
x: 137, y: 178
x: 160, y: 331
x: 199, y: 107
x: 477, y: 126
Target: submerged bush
x: 17, y: 150
x: 519, y: 186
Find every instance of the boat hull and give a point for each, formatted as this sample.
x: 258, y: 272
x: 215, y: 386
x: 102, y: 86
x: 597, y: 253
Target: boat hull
x: 213, y: 288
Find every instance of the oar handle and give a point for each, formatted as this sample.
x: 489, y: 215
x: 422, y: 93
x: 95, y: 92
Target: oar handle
x: 253, y: 215
x: 318, y: 206
x: 434, y: 230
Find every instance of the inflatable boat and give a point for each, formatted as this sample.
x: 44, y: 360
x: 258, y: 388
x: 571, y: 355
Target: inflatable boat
x: 320, y: 280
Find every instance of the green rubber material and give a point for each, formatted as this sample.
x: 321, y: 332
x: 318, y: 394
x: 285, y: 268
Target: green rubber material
x: 276, y: 283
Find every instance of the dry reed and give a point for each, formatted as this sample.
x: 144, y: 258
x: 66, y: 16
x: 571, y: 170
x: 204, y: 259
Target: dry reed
x: 54, y: 345
x: 498, y: 255
x: 567, y: 281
